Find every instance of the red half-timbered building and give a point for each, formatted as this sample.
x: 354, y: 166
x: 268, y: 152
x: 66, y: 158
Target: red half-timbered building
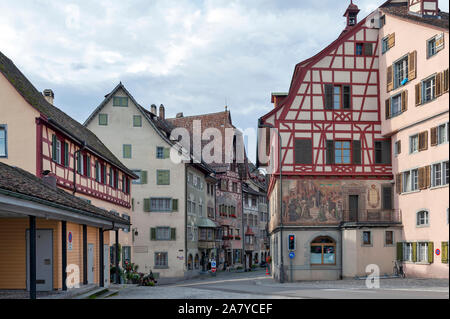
x: 45, y: 141
x: 336, y: 165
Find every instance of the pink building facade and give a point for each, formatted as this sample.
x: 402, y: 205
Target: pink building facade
x: 414, y: 63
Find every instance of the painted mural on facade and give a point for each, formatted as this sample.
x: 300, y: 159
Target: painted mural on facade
x: 329, y: 201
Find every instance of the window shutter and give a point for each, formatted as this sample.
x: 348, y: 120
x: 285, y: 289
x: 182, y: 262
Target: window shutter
x: 430, y: 251
x: 143, y: 177
x: 444, y: 248
x: 166, y: 152
x: 96, y: 171
x: 146, y: 204
x: 414, y: 252
x: 427, y: 176
x: 152, y: 233
x: 445, y: 82
x: 390, y: 79
x: 330, y: 152
x: 88, y: 166
x: 174, y: 205
x: 412, y: 62
x: 54, y: 147
x: 356, y: 152
x: 418, y: 94
x: 303, y: 152
x: 398, y: 183
x: 438, y: 84
x: 404, y: 101
x: 79, y: 163
x: 388, y: 108
x: 368, y: 49
x: 66, y: 154
x: 422, y: 178
x: 433, y: 136
x: 173, y: 234
x: 328, y: 96
x: 399, y: 251
x: 399, y: 147
x: 423, y: 141
x: 391, y: 40
x: 439, y: 42
x: 104, y: 174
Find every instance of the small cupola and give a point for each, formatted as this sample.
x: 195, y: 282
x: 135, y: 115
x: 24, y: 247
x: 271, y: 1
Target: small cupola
x: 351, y: 14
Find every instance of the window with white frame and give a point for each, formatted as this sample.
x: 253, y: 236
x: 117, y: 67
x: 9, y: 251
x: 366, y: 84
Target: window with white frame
x: 442, y: 133
x: 58, y: 152
x: 431, y: 47
x: 439, y: 174
x: 160, y: 204
x: 414, y: 143
x: 422, y: 218
x: 422, y: 252
x: 396, y: 105
x: 428, y: 89
x: 400, y: 71
x: 384, y: 44
x: 407, y: 251
x: 162, y: 233
x: 410, y: 180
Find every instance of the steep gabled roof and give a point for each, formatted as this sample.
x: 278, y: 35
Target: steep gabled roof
x: 219, y: 120
x: 161, y: 126
x: 19, y: 183
x: 400, y: 10
x: 55, y: 116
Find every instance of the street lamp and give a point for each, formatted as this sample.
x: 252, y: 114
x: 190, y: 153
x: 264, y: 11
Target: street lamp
x: 260, y: 125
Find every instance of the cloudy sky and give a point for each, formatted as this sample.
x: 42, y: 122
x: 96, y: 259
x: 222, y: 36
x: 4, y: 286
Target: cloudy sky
x: 192, y: 56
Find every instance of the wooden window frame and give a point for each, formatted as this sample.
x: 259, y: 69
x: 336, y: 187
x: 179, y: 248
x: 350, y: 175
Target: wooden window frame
x: 118, y: 101
x: 333, y: 244
x: 342, y: 149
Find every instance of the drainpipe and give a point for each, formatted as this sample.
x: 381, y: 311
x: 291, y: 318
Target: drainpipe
x: 75, y: 154
x: 243, y: 228
x: 185, y: 217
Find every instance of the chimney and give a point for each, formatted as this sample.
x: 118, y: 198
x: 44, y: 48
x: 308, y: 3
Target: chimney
x: 179, y: 115
x: 153, y: 109
x: 161, y: 111
x: 49, y: 95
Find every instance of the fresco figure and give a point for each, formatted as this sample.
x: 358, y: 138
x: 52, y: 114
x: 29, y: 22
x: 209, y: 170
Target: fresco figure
x: 292, y: 210
x: 305, y: 210
x: 321, y: 217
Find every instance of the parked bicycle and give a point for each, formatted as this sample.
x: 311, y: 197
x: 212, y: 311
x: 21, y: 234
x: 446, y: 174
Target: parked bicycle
x: 398, y: 269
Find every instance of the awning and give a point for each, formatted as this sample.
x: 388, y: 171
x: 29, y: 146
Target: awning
x: 206, y: 222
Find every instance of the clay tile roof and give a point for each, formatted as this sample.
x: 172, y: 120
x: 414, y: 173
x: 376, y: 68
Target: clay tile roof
x: 401, y: 10
x: 61, y: 119
x: 218, y: 120
x: 17, y: 182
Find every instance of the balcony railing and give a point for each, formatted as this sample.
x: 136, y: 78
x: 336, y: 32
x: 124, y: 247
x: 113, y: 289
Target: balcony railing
x: 389, y: 215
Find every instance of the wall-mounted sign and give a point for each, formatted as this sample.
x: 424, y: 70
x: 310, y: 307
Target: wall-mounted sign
x: 69, y: 241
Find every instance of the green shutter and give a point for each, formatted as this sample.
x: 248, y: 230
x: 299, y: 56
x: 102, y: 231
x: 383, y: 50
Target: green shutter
x: 88, y: 166
x: 430, y: 252
x: 146, y: 204
x: 167, y: 152
x: 103, y: 119
x: 163, y: 177
x: 54, y: 147
x: 414, y: 252
x: 399, y: 251
x: 79, y: 163
x: 66, y: 154
x: 137, y: 121
x: 126, y: 151
x: 152, y: 233
x: 444, y: 248
x: 97, y: 178
x: 174, y: 205
x: 173, y: 234
x: 143, y: 177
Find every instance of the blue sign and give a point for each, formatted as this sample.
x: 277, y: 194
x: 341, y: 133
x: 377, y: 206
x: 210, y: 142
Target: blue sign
x: 213, y: 264
x: 70, y: 237
x: 438, y: 252
x: 291, y: 255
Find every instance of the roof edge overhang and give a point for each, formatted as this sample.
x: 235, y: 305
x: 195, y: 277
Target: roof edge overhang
x: 26, y: 205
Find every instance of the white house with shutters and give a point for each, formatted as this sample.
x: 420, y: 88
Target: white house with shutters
x: 141, y: 139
